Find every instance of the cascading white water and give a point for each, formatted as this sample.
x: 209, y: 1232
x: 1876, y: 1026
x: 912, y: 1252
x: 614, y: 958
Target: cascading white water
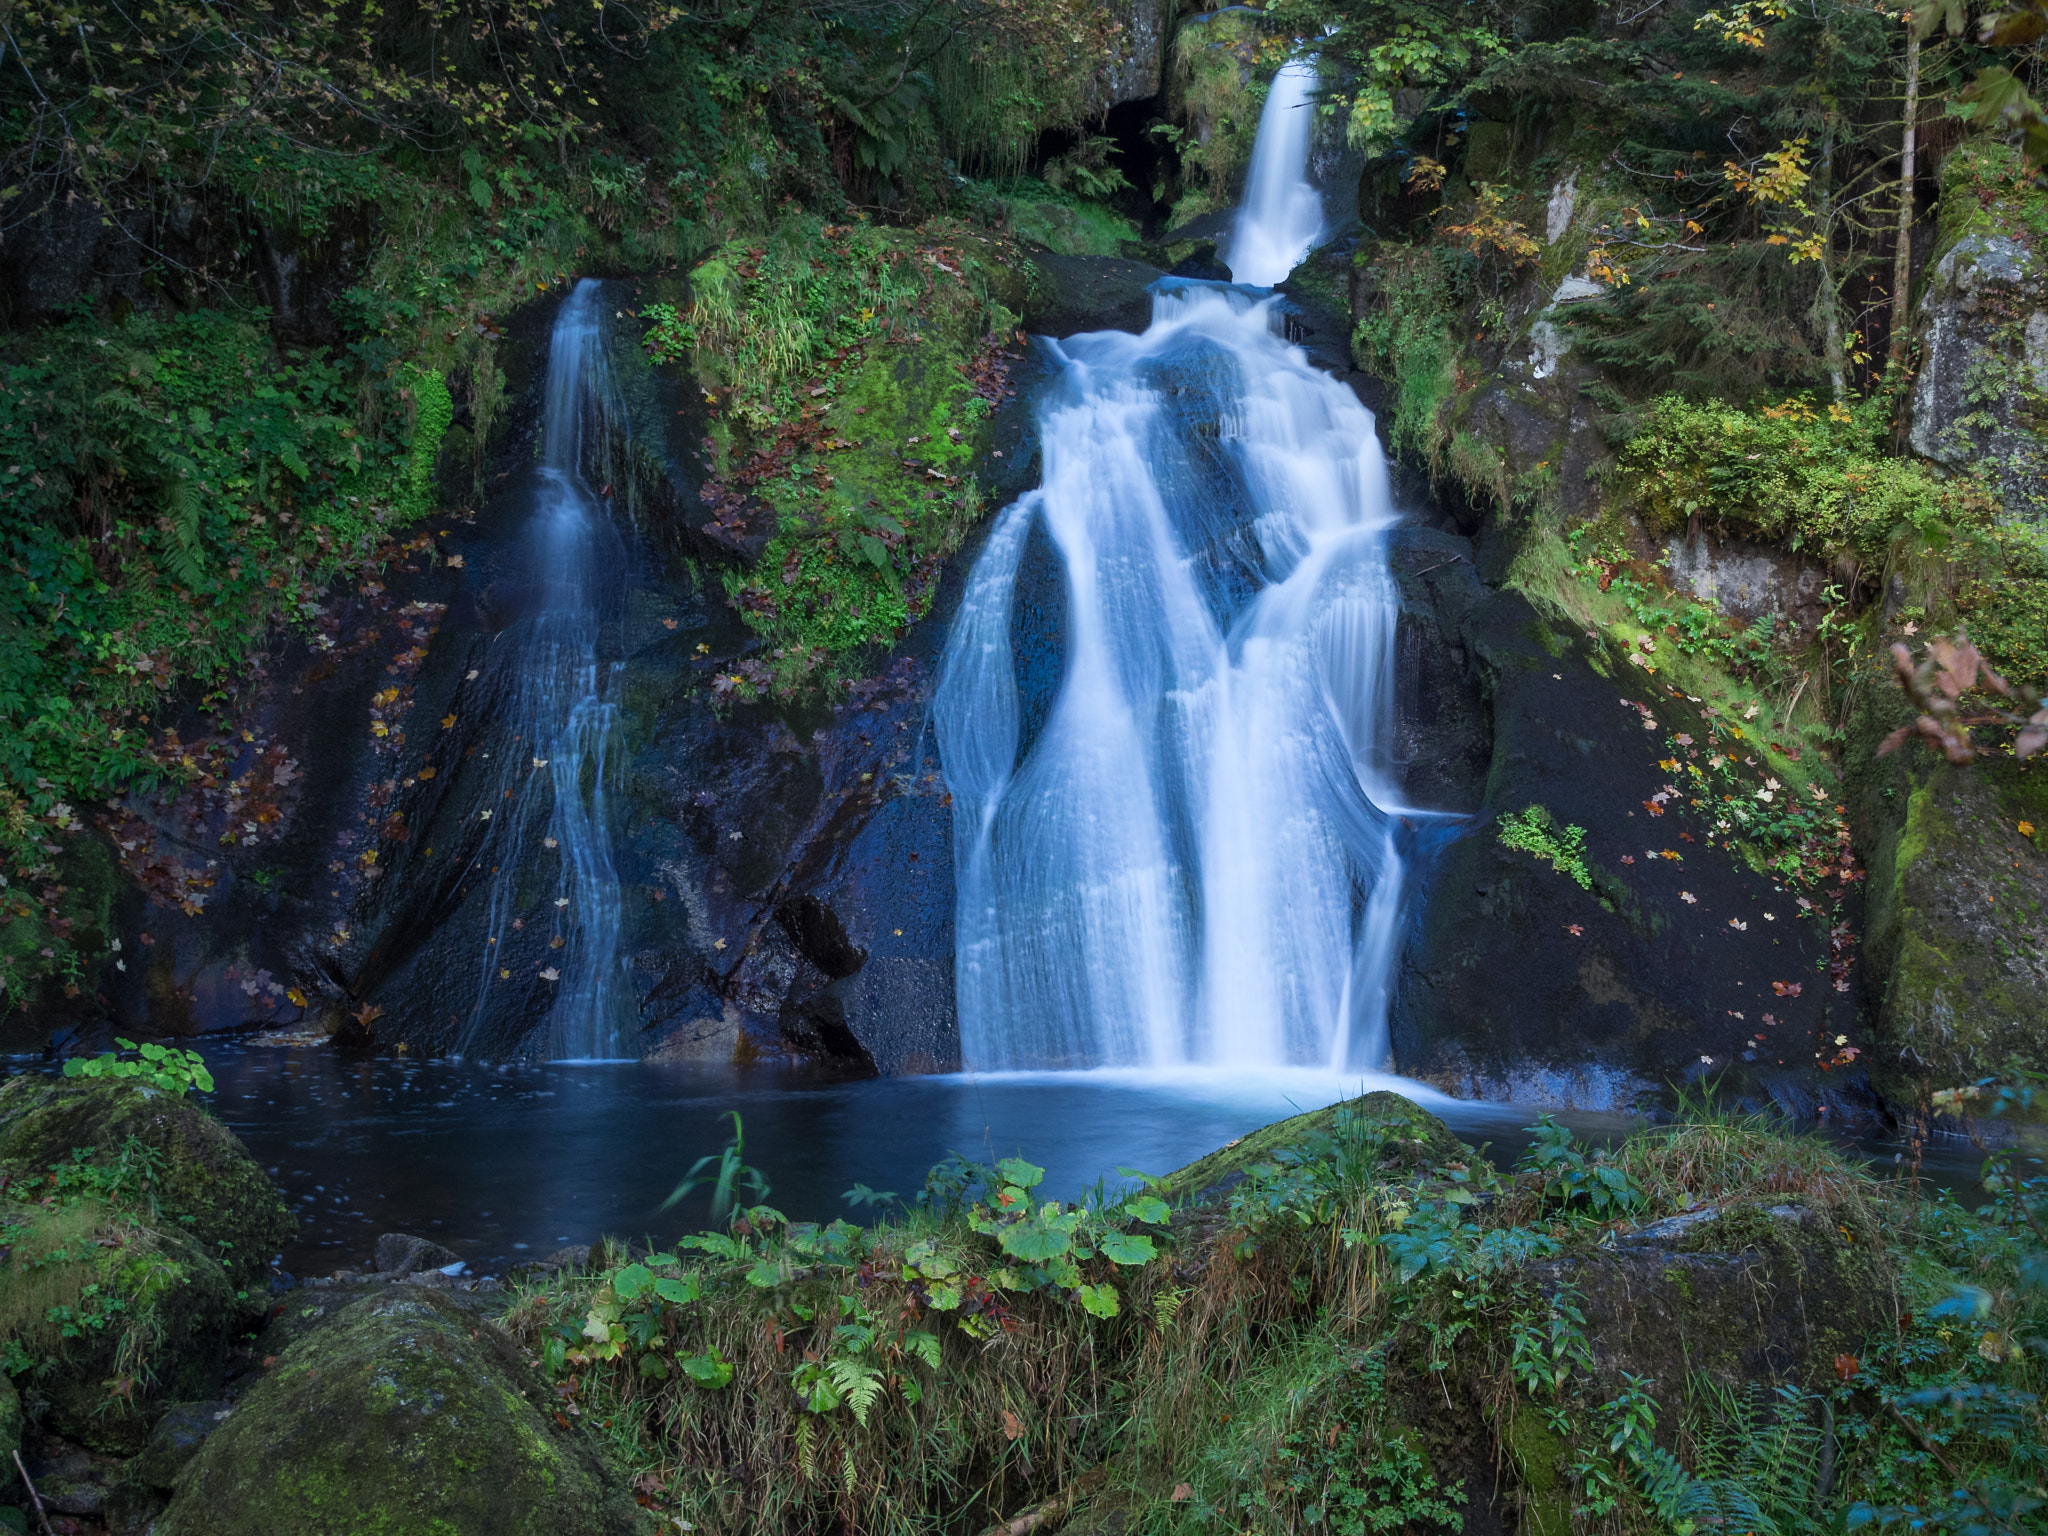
x: 1195, y: 860
x: 1282, y: 214
x: 562, y: 723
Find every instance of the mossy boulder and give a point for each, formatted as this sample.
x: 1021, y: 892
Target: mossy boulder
x: 11, y: 1421
x: 1755, y: 1290
x: 1414, y: 1138
x: 116, y: 1315
x: 1956, y: 903
x: 409, y: 1413
x: 206, y: 1184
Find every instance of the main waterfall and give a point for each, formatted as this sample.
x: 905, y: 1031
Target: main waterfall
x: 562, y: 721
x: 1195, y: 861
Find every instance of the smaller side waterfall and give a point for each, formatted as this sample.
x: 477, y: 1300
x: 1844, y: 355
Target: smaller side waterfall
x: 556, y: 773
x: 1282, y: 215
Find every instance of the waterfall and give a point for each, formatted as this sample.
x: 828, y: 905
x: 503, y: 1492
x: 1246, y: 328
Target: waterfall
x: 562, y: 724
x: 1197, y: 859
x: 1282, y: 215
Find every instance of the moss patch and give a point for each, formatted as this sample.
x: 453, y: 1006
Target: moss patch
x: 108, y: 1316
x: 207, y: 1187
x: 853, y: 370
x: 408, y: 1414
x: 1419, y: 1139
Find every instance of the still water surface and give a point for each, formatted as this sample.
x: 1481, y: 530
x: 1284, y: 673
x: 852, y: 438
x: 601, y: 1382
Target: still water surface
x: 504, y: 1163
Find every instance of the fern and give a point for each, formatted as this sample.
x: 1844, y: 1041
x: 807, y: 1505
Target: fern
x: 184, y: 554
x: 858, y: 1383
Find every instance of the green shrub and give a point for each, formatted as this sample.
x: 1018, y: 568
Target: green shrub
x: 1811, y: 478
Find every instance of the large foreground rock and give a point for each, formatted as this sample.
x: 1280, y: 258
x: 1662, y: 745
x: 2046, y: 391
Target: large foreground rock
x: 407, y: 1413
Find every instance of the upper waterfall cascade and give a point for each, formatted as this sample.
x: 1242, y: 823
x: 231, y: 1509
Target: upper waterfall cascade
x: 563, y: 720
x: 1196, y: 860
x: 1282, y: 215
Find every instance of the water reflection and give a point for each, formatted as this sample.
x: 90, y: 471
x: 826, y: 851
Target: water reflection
x: 509, y: 1162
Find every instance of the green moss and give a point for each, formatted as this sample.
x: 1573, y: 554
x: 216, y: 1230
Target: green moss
x: 109, y: 1316
x: 433, y: 410
x: 856, y: 380
x: 1539, y: 1453
x: 407, y: 1415
x: 208, y: 1186
x: 1069, y: 226
x: 1420, y: 1140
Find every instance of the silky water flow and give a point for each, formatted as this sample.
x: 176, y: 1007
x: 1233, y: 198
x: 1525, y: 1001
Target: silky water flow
x: 564, y: 662
x: 1197, y: 860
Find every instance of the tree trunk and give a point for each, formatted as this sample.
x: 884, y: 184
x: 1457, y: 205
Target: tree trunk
x: 1826, y: 311
x: 1902, y: 253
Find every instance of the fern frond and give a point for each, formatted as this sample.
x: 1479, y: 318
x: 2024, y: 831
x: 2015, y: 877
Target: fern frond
x: 859, y: 1383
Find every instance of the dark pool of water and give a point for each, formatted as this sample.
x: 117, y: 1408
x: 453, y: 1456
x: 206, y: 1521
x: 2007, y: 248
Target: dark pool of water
x: 509, y: 1162
x: 504, y: 1163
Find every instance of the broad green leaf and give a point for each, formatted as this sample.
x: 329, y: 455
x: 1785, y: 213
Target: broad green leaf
x: 712, y: 1243
x: 942, y: 1297
x: 766, y: 1273
x: 1127, y: 1248
x: 680, y: 1291
x: 632, y: 1282
x: 1148, y: 1208
x: 1034, y: 1242
x: 1014, y: 1170
x: 707, y: 1369
x: 1098, y: 1300
x: 925, y: 1258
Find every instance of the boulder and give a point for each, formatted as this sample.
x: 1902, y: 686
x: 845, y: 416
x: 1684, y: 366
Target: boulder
x: 400, y: 1253
x: 1089, y: 293
x: 1955, y: 907
x: 1416, y: 1139
x: 119, y: 1315
x: 1982, y: 325
x: 205, y: 1183
x: 409, y: 1411
x: 1517, y: 982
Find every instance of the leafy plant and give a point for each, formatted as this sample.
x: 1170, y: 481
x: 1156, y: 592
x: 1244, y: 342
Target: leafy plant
x: 1572, y: 1176
x: 1533, y: 830
x: 732, y: 1173
x: 173, y: 1070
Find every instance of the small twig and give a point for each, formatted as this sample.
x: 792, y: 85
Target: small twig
x: 29, y: 1483
x: 1795, y: 700
x: 1439, y: 565
x: 1054, y: 1510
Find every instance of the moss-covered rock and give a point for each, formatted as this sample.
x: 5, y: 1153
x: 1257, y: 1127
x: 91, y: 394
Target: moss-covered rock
x: 10, y: 1429
x: 408, y: 1414
x: 1766, y: 1292
x: 115, y: 1316
x: 1956, y: 905
x: 205, y: 1183
x: 1415, y: 1138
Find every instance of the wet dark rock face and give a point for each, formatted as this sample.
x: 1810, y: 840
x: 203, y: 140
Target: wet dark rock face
x: 1677, y: 964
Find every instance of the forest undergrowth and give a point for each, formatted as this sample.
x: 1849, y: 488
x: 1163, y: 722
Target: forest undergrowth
x: 1349, y: 1321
